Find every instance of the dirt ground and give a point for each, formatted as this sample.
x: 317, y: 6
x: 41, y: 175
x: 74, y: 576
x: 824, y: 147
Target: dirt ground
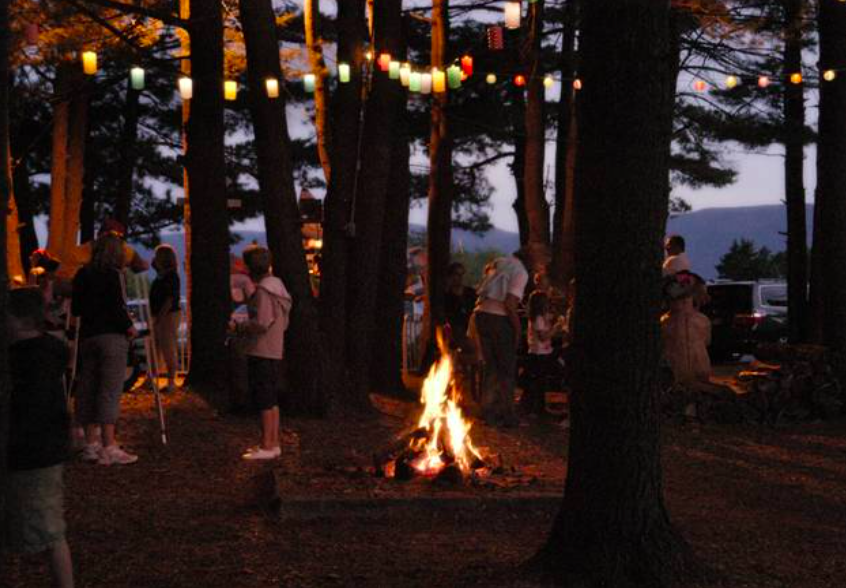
x: 765, y: 508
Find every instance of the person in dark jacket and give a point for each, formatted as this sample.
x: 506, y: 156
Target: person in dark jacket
x: 99, y: 300
x: 164, y: 308
x: 39, y: 433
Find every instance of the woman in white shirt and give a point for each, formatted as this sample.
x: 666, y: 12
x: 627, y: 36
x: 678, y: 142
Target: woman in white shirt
x: 542, y: 364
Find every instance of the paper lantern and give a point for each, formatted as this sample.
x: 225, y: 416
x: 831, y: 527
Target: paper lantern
x: 31, y: 34
x: 830, y: 74
x: 577, y: 84
x: 548, y: 82
x: 136, y: 78
x: 425, y: 83
x: 438, y: 81
x: 230, y: 90
x: 796, y: 78
x: 89, y: 62
x: 467, y: 65
x: 763, y: 81
x: 394, y: 70
x: 731, y: 82
x: 700, y: 85
x: 344, y: 72
x: 405, y: 74
x: 512, y: 15
x: 490, y: 78
x: 272, y: 86
x: 415, y: 81
x: 453, y: 77
x: 308, y: 82
x: 186, y: 88
x: 384, y: 61
x: 519, y: 80
x: 496, y: 38
x: 368, y: 55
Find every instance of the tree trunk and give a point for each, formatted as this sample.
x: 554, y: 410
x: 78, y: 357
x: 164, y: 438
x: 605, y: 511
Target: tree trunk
x: 518, y: 165
x: 613, y: 528
x: 386, y: 373
x: 439, y: 215
x: 5, y: 190
x: 62, y: 89
x: 128, y: 141
x: 537, y: 208
x: 794, y: 190
x: 563, y: 225
x: 338, y: 230
x: 14, y: 263
x: 830, y: 233
x: 281, y: 214
x: 314, y: 46
x: 75, y: 175
x: 22, y: 190
x: 381, y: 117
x: 816, y: 305
x: 205, y: 166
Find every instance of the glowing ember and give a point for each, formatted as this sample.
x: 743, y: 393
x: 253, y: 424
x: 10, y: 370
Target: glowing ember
x: 447, y: 439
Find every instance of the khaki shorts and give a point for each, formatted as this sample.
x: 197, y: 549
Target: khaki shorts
x: 35, y: 517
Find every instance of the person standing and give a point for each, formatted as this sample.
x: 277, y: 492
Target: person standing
x: 497, y: 326
x: 676, y: 260
x: 39, y: 428
x: 269, y: 309
x: 459, y: 301
x: 164, y: 309
x: 542, y: 363
x: 99, y: 300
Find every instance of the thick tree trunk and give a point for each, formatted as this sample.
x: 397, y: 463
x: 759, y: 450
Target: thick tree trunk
x: 816, y: 305
x: 14, y: 263
x: 537, y: 208
x: 281, y: 214
x: 337, y: 228
x: 381, y: 117
x: 613, y: 528
x: 518, y: 165
x: 205, y: 166
x: 5, y: 190
x: 128, y: 141
x: 563, y: 225
x: 75, y: 175
x: 386, y: 370
x: 62, y: 89
x: 439, y: 215
x: 314, y: 46
x: 830, y: 233
x: 794, y: 189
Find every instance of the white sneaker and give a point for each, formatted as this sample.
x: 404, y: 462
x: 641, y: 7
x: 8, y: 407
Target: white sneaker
x: 114, y: 455
x: 91, y: 452
x: 259, y: 453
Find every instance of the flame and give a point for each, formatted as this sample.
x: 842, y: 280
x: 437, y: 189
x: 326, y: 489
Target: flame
x: 443, y: 422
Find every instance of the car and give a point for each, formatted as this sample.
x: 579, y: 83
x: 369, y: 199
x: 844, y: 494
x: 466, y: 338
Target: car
x: 744, y: 314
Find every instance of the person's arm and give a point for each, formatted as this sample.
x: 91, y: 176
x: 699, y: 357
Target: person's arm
x: 136, y: 263
x: 264, y: 315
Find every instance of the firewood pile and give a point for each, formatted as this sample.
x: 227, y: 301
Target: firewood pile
x: 789, y: 383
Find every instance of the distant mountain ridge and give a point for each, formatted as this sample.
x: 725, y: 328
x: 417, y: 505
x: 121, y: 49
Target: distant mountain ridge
x: 709, y: 233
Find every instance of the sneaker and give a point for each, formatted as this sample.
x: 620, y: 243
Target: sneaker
x: 114, y: 455
x: 91, y: 452
x: 259, y: 453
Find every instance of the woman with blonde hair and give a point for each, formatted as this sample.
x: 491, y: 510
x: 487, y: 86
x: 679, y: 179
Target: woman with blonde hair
x: 99, y: 300
x: 164, y: 309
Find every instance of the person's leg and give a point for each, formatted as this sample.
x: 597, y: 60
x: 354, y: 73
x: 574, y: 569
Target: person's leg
x: 270, y: 428
x: 490, y: 382
x: 113, y: 354
x: 506, y: 366
x: 61, y: 564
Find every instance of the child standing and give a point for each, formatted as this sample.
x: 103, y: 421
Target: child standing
x: 39, y: 431
x: 265, y: 331
x: 164, y: 308
x: 542, y: 363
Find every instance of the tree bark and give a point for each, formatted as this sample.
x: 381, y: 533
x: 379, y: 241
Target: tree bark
x: 537, y: 208
x: 613, y: 528
x: 281, y: 214
x: 563, y: 225
x: 23, y: 198
x: 205, y: 167
x: 59, y: 159
x: 75, y: 175
x: 518, y: 165
x: 381, y: 118
x: 338, y: 230
x: 14, y: 263
x: 314, y: 46
x: 794, y: 190
x: 5, y: 190
x: 830, y: 233
x: 128, y: 141
x: 439, y: 215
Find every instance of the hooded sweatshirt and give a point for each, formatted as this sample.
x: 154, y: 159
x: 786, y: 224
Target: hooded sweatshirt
x: 269, y: 309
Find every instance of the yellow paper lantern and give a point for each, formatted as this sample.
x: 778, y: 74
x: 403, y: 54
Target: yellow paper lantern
x: 89, y: 62
x: 796, y: 78
x: 438, y: 81
x: 548, y: 82
x: 272, y: 86
x: 230, y: 90
x: 405, y: 74
x: 731, y: 82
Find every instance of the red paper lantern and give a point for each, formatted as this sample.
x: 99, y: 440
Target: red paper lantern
x: 496, y: 39
x: 467, y: 65
x: 519, y: 80
x: 31, y: 34
x: 384, y: 61
x: 700, y: 86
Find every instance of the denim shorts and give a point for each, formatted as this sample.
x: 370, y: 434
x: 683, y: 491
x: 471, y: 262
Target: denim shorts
x: 35, y: 514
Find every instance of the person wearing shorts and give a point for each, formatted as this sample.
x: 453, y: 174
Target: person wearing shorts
x: 39, y: 436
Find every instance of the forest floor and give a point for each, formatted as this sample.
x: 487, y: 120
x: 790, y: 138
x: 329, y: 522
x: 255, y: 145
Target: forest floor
x: 764, y: 507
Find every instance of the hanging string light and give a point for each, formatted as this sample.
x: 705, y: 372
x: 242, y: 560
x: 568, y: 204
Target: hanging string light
x: 467, y: 65
x: 415, y: 82
x: 272, y: 87
x: 731, y: 82
x: 405, y: 74
x: 230, y: 90
x: 344, y: 72
x: 763, y: 81
x: 796, y: 78
x: 136, y: 78
x: 438, y: 81
x: 490, y: 78
x: 368, y: 55
x: 89, y: 62
x: 394, y: 70
x: 830, y: 74
x: 577, y: 84
x: 496, y: 38
x: 384, y: 61
x: 700, y: 85
x: 186, y: 88
x: 512, y: 15
x: 519, y: 80
x: 454, y: 77
x: 548, y: 82
x: 31, y: 34
x: 309, y: 82
x: 426, y: 83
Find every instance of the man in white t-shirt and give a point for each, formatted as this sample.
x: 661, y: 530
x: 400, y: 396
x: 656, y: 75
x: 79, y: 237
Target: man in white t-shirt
x: 497, y: 326
x: 676, y: 259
